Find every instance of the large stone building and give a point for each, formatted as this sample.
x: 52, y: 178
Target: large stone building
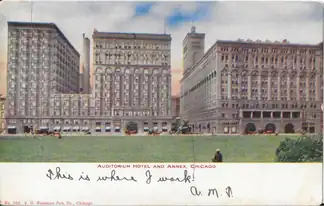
x: 132, y: 78
x: 239, y: 86
x: 41, y: 63
x: 132, y: 83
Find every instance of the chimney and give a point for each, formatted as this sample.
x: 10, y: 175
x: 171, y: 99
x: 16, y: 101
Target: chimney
x: 285, y: 41
x: 83, y: 35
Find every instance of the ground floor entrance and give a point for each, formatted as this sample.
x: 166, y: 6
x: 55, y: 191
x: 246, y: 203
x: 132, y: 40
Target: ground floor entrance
x: 12, y: 130
x: 28, y: 129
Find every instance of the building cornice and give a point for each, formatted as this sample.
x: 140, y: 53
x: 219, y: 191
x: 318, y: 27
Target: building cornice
x: 131, y: 36
x: 263, y: 44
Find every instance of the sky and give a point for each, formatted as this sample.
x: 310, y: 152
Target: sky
x: 299, y: 22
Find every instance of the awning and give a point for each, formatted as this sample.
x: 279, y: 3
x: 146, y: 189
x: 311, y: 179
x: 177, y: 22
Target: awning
x: 11, y: 127
x: 85, y: 128
x: 57, y: 128
x: 117, y: 127
x: 107, y: 128
x: 164, y: 127
x: 76, y: 128
x: 155, y: 128
x: 98, y: 128
x: 43, y: 127
x: 146, y: 128
x: 66, y: 128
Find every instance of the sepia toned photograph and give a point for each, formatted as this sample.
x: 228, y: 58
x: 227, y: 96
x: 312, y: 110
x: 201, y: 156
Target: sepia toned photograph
x: 209, y: 82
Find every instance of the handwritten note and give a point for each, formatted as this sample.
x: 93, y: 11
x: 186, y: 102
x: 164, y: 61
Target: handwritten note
x: 162, y: 184
x: 112, y: 176
x: 212, y: 192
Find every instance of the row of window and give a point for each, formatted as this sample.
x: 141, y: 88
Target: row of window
x: 225, y: 88
x: 267, y: 60
x: 106, y: 72
x: 162, y: 112
x: 129, y: 45
x: 269, y: 106
x: 131, y: 62
x: 270, y: 50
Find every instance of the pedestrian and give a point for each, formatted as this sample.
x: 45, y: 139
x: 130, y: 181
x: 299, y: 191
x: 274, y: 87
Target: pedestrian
x: 218, y: 156
x: 59, y: 135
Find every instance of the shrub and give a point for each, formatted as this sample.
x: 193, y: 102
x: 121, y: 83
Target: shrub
x: 303, y: 149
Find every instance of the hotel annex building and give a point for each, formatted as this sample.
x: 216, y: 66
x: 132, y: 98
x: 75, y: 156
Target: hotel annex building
x: 239, y: 86
x: 132, y: 81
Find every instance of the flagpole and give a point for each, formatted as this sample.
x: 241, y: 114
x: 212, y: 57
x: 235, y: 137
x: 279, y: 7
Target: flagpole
x: 323, y: 118
x: 31, y: 11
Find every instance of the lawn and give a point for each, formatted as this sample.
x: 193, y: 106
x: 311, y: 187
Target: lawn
x: 139, y: 148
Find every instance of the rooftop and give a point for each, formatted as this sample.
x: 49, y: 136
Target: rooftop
x: 258, y: 42
x: 126, y: 35
x: 193, y: 34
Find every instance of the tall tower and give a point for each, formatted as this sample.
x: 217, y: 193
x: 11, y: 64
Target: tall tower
x: 85, y: 66
x: 193, y: 48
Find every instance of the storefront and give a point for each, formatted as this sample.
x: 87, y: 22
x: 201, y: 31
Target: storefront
x: 12, y: 129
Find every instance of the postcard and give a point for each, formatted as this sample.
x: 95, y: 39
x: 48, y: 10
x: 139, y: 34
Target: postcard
x: 161, y: 103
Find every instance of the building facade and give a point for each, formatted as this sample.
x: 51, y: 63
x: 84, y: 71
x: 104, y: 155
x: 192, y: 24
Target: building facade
x: 132, y: 78
x: 85, y: 66
x: 2, y: 109
x: 132, y: 83
x: 41, y: 62
x: 243, y: 86
x: 175, y: 106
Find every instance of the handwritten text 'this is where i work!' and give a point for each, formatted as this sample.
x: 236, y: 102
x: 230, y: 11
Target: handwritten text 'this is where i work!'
x: 59, y: 174
x: 112, y: 176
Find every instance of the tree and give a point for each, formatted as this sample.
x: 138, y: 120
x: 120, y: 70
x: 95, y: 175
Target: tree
x: 185, y: 123
x: 303, y: 149
x: 185, y: 127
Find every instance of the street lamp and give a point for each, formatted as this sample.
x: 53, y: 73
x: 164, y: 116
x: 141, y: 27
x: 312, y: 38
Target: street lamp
x: 323, y: 127
x: 151, y: 116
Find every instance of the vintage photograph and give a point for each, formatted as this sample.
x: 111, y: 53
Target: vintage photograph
x: 209, y: 82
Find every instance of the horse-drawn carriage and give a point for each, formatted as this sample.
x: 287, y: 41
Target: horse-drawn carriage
x: 131, y: 128
x: 154, y: 132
